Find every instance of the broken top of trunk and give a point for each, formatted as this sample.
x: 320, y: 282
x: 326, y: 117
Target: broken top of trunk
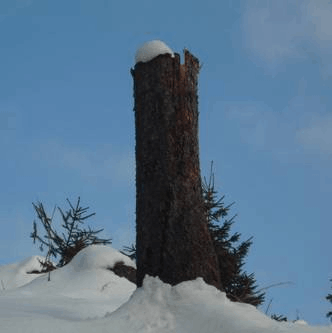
x: 173, y: 241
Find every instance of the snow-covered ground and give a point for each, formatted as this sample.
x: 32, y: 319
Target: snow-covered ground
x: 85, y: 296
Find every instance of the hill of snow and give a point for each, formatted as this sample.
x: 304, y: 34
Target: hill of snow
x: 85, y: 296
x: 16, y: 275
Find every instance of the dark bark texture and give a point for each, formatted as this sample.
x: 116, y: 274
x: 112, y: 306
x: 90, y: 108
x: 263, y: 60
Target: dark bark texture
x: 173, y: 241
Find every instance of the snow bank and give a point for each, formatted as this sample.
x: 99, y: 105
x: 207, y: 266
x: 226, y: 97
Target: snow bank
x: 87, y: 275
x: 91, y: 259
x: 86, y: 297
x: 16, y: 275
x: 84, y: 288
x: 152, y: 49
x: 194, y: 307
x: 98, y: 256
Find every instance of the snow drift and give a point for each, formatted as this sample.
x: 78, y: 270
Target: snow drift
x: 86, y: 296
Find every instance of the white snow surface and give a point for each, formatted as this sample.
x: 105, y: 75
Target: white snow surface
x: 150, y: 50
x: 84, y: 296
x: 17, y: 275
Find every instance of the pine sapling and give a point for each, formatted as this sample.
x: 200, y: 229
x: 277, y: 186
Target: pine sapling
x: 72, y: 240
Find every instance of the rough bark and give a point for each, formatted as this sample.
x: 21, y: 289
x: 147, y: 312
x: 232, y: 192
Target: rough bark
x: 173, y: 241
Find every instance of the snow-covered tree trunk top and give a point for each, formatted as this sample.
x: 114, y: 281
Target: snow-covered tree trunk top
x: 152, y: 49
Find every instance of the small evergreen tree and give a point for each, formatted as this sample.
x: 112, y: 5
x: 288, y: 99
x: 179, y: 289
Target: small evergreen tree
x: 130, y: 251
x: 238, y: 285
x: 74, y: 238
x: 329, y: 298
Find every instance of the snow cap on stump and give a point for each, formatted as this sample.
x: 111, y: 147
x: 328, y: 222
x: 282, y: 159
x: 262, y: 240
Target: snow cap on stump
x: 152, y: 49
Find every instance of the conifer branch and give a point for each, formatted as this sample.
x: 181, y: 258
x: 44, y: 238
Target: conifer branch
x: 72, y: 240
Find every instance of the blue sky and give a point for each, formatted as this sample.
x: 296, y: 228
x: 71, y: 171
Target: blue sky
x: 67, y: 124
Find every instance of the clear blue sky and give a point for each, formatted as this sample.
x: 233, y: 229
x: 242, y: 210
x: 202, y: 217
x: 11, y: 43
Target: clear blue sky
x: 67, y: 123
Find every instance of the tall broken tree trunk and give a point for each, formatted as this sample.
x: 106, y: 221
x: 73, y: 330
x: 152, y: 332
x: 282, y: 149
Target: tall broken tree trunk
x: 173, y: 241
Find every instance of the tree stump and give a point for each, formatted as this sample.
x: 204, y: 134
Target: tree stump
x: 172, y: 241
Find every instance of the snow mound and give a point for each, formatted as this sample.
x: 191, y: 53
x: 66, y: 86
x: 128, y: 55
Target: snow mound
x: 152, y: 49
x: 87, y: 275
x: 91, y: 259
x: 98, y: 256
x: 300, y: 322
x: 16, y: 275
x: 193, y: 306
x: 84, y: 296
x: 84, y: 288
